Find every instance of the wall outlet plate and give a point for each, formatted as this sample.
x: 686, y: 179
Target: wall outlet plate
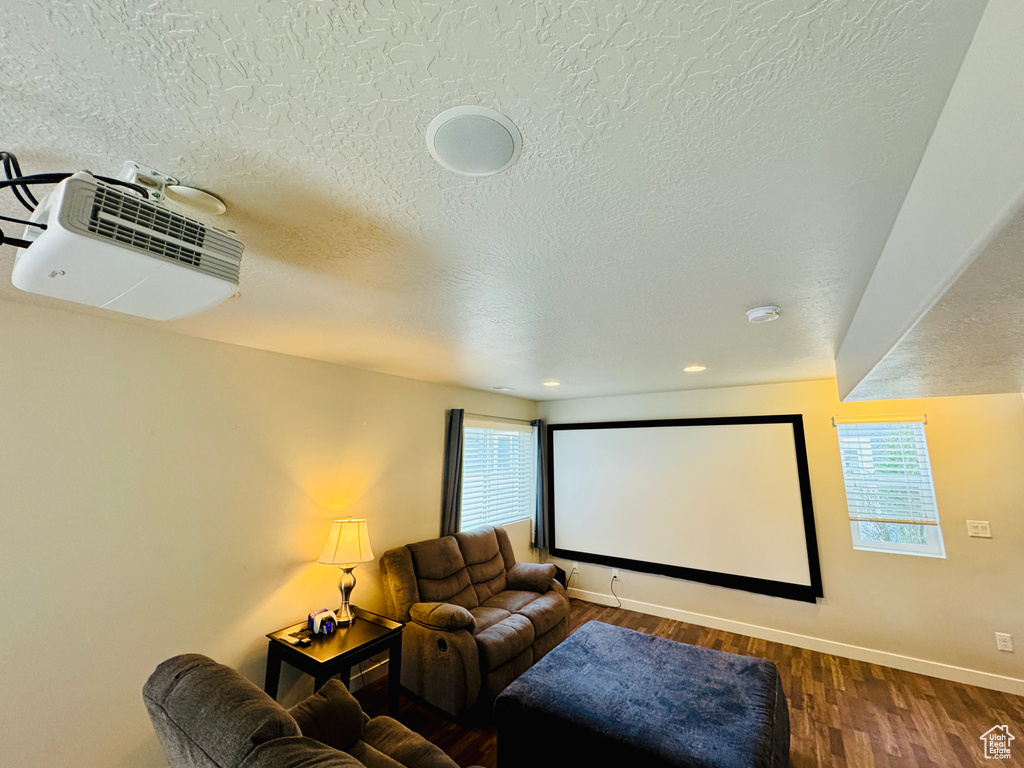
x: 575, y: 566
x: 615, y: 573
x: 1004, y: 642
x: 979, y: 529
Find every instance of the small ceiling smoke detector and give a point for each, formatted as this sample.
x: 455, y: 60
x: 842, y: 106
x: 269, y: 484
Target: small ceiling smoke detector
x: 474, y: 141
x: 763, y: 314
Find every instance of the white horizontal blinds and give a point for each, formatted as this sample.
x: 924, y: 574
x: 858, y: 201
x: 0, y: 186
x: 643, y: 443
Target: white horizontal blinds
x: 498, y: 461
x: 887, y: 472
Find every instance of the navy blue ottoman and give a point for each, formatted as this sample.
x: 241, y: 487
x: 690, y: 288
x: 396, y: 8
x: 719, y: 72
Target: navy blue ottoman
x: 611, y: 696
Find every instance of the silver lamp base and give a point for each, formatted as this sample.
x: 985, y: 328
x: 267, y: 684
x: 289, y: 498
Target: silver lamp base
x: 346, y: 584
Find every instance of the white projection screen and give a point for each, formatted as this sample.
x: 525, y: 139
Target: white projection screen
x: 723, y: 501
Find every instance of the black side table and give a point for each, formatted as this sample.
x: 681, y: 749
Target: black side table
x: 334, y: 654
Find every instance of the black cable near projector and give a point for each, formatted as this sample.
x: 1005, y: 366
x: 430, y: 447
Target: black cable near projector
x: 724, y: 501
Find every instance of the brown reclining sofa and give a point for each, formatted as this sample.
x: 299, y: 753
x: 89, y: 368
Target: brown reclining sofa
x: 475, y: 618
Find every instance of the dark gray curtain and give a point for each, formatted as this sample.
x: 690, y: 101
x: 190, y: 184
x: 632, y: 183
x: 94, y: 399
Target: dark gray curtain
x: 451, y: 504
x: 541, y: 533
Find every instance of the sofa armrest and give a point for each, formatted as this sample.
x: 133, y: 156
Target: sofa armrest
x: 403, y: 745
x: 532, y: 577
x: 297, y: 752
x: 443, y: 616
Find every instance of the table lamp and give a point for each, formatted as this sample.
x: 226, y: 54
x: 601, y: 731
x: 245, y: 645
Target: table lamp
x: 348, y: 545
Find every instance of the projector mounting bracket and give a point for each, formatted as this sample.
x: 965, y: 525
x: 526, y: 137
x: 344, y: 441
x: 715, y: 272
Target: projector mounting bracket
x: 154, y: 181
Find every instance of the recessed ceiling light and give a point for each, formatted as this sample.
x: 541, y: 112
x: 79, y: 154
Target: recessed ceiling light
x: 552, y: 383
x: 695, y: 368
x: 763, y: 314
x: 474, y: 141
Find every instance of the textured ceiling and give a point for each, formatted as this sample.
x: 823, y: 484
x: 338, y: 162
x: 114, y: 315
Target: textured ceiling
x: 682, y: 162
x: 970, y: 341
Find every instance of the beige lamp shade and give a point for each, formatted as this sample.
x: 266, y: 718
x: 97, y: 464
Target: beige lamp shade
x: 347, y: 543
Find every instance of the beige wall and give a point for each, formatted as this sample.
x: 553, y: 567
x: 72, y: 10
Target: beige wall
x: 942, y: 611
x: 162, y: 494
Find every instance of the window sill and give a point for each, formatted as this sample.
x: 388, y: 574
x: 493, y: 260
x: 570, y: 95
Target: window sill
x: 939, y: 556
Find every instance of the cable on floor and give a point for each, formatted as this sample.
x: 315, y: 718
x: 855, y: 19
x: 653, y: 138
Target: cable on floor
x: 612, y: 588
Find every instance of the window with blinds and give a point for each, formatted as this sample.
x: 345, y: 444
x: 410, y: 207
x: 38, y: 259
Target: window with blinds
x: 889, y: 489
x: 498, y: 473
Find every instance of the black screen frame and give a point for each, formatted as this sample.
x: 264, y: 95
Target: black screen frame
x: 802, y: 592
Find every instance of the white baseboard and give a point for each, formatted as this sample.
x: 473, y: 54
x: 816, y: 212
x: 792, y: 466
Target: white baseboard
x: 371, y: 671
x: 883, y: 658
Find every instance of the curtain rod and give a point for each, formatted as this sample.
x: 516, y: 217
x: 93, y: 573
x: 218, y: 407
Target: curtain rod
x: 498, y: 418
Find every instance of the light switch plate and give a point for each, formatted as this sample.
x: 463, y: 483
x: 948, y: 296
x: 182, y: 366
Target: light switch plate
x: 979, y: 529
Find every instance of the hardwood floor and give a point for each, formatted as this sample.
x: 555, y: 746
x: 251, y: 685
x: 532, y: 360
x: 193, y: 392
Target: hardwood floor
x: 843, y: 713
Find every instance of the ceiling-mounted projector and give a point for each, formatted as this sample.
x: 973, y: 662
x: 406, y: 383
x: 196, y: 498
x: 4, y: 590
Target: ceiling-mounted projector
x: 106, y: 247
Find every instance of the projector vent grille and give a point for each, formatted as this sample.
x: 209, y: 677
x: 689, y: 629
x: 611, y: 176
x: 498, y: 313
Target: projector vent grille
x: 155, y: 230
x: 146, y: 242
x: 134, y: 211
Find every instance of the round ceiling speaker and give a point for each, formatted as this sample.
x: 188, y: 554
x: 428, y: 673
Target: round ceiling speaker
x: 474, y: 141
x: 763, y: 314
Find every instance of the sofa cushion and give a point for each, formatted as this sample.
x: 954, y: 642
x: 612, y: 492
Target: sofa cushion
x: 545, y: 612
x: 443, y: 616
x: 544, y: 644
x: 441, y: 575
x: 405, y: 746
x: 371, y: 757
x: 484, y: 561
x: 498, y: 679
x: 398, y: 577
x: 332, y: 716
x: 504, y: 641
x: 297, y: 752
x: 535, y: 577
x: 511, y: 600
x: 505, y: 547
x: 487, y: 617
x: 206, y: 714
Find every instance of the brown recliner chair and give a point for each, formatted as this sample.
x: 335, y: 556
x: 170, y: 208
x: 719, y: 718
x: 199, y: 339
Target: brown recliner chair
x: 475, y: 618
